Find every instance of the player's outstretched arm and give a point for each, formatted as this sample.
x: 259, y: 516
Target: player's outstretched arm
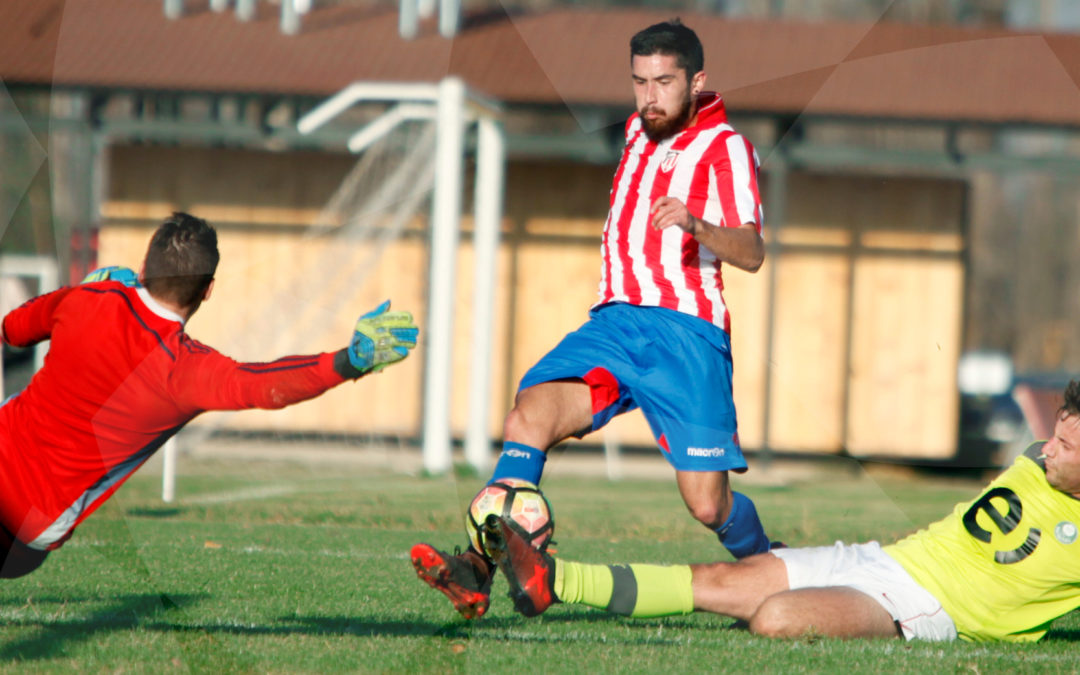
x: 380, y: 338
x: 209, y: 380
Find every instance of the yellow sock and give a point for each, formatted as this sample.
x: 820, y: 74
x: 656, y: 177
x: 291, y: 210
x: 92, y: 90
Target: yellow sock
x: 582, y: 584
x: 631, y: 590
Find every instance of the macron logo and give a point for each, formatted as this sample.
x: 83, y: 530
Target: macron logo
x: 514, y: 452
x: 705, y: 452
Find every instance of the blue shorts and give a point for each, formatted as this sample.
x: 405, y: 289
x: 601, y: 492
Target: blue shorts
x: 675, y: 367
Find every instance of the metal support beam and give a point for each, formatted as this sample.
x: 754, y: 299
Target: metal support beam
x: 245, y: 10
x: 449, y: 17
x: 408, y: 18
x: 386, y: 122
x: 174, y: 9
x: 290, y: 17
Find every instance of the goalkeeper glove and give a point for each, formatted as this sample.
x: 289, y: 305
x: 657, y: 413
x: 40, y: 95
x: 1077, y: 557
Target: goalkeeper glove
x: 381, y: 338
x: 124, y: 275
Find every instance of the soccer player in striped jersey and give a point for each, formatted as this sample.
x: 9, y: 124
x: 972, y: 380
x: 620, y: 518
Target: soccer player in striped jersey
x: 684, y: 201
x: 1001, y: 567
x: 121, y: 377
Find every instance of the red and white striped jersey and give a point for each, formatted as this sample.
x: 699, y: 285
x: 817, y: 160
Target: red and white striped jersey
x: 714, y: 171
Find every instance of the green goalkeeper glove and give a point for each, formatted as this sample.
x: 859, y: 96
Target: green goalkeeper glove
x: 381, y: 338
x: 124, y: 275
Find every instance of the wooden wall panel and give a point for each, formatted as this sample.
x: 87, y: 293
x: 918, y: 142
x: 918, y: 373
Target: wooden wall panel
x: 905, y: 349
x: 747, y: 298
x: 810, y: 353
x: 463, y: 337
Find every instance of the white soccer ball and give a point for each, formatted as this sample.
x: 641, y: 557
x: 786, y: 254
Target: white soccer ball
x: 514, y: 500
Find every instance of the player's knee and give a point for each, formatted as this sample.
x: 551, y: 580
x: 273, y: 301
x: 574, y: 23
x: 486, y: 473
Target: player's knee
x: 772, y: 619
x: 710, y: 512
x: 519, y: 425
x: 707, y: 514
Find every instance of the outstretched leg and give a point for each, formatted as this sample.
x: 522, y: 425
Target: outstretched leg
x: 538, y: 580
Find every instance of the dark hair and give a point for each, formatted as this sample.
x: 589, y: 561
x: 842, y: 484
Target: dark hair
x: 181, y: 260
x: 1071, y: 406
x: 671, y: 37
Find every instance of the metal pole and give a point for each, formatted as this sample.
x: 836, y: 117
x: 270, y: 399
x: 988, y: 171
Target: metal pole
x: 174, y: 9
x: 408, y: 18
x: 445, y: 217
x: 290, y: 18
x: 168, y: 470
x: 490, y: 165
x: 449, y: 15
x: 245, y: 10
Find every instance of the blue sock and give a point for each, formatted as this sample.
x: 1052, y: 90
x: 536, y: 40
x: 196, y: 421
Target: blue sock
x: 519, y: 461
x: 742, y: 533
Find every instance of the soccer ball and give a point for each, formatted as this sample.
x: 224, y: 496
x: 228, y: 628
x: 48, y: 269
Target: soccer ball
x: 514, y: 500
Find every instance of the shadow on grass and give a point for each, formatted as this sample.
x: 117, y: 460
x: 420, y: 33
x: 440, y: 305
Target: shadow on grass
x: 153, y: 612
x: 1063, y: 635
x: 54, y: 636
x: 508, y: 629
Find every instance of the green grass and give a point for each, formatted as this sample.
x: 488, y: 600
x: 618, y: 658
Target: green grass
x: 287, y: 568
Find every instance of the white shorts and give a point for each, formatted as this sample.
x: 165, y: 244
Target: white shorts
x: 868, y: 569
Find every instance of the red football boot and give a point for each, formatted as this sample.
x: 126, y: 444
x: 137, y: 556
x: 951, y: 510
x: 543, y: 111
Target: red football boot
x: 465, y: 578
x: 530, y: 571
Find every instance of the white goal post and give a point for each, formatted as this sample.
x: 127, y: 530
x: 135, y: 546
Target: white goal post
x: 455, y: 109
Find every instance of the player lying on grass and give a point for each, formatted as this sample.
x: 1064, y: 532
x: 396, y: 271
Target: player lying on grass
x: 122, y: 376
x: 684, y: 205
x: 1000, y: 567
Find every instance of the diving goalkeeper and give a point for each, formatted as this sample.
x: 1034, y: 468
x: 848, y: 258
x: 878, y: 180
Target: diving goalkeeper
x: 1000, y: 567
x: 121, y: 377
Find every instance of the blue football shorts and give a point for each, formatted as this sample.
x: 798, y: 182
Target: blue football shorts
x: 675, y: 367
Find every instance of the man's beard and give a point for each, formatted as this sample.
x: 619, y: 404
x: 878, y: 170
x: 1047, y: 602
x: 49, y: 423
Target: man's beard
x: 662, y: 128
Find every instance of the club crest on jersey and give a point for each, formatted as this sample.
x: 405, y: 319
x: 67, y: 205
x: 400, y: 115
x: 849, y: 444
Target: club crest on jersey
x: 1066, y: 532
x: 670, y: 159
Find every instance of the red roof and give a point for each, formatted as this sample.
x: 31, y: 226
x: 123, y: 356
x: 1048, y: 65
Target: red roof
x: 563, y: 56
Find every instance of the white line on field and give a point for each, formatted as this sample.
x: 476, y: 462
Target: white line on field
x: 242, y: 495
x: 323, y: 553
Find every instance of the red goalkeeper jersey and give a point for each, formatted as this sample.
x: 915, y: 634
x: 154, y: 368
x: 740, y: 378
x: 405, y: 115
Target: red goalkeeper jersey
x: 120, y: 378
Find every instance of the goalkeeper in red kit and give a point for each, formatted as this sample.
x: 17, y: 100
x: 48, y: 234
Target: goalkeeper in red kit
x: 121, y: 377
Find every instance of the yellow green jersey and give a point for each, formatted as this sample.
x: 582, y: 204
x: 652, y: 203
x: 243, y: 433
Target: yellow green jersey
x: 1006, y: 564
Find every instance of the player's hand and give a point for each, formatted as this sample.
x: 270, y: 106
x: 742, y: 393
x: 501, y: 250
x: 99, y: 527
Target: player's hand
x: 381, y: 338
x: 124, y: 275
x: 668, y: 211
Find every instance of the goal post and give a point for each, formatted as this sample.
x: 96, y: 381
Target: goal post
x: 455, y: 109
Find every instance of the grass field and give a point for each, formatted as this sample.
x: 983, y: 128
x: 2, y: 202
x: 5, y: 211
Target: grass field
x: 279, y: 567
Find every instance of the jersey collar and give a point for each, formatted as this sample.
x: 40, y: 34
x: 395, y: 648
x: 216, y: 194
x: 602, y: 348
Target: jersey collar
x: 710, y: 109
x: 156, y: 307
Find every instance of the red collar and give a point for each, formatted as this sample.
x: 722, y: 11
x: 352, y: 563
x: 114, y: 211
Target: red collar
x: 710, y: 109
